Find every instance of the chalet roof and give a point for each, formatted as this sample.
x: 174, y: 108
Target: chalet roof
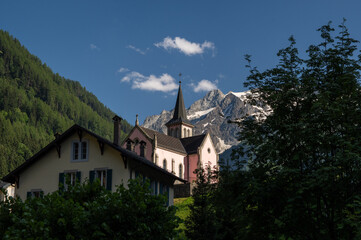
x: 191, y: 144
x: 165, y: 141
x: 180, y: 114
x: 133, y: 157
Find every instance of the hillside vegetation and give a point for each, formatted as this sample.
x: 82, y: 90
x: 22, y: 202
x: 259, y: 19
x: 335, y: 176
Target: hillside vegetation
x: 35, y: 103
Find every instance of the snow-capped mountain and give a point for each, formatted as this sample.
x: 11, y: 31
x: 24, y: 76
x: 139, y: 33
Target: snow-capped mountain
x: 212, y: 114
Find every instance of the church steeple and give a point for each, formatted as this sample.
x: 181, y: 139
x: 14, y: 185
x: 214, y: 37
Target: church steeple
x: 179, y: 109
x: 179, y: 126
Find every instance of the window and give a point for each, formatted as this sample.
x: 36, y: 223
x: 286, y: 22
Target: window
x: 156, y: 159
x: 80, y: 151
x: 173, y: 166
x: 209, y: 150
x: 35, y: 193
x: 129, y: 145
x: 184, y: 132
x: 176, y: 133
x: 189, y: 133
x: 69, y: 178
x: 171, y: 132
x: 165, y: 164
x: 142, y: 149
x: 164, y: 189
x: 104, y: 176
x: 180, y: 170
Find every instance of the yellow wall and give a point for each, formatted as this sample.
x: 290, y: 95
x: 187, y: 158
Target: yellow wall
x: 44, y: 173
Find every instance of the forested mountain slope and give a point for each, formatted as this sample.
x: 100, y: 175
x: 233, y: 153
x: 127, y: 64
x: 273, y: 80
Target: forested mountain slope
x: 35, y: 103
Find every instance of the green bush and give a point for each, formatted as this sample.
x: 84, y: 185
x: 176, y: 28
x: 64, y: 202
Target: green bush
x: 88, y: 211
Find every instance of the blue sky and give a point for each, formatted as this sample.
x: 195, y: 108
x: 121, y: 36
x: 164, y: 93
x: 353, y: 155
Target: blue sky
x: 129, y: 53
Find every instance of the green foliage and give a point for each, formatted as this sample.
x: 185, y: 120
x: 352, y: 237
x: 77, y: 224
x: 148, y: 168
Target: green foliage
x: 35, y: 103
x: 304, y: 178
x: 201, y: 223
x: 88, y: 211
x: 183, y: 212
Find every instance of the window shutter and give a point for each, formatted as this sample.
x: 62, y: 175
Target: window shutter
x: 28, y: 195
x: 78, y: 176
x: 61, y: 180
x: 109, y: 179
x: 91, y: 176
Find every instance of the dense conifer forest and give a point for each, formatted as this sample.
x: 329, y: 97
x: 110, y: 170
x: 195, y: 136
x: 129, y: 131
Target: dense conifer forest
x: 35, y: 103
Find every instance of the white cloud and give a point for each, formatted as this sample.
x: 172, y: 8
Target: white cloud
x: 137, y: 49
x: 122, y: 70
x: 164, y: 83
x: 204, y: 86
x: 185, y: 46
x: 94, y: 47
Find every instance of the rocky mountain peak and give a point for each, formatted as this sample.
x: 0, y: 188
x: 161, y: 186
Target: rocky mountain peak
x: 212, y: 114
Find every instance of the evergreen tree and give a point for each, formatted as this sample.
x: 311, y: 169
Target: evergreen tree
x: 35, y: 103
x: 304, y: 177
x: 201, y: 223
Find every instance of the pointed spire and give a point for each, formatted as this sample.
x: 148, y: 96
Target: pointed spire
x: 179, y: 109
x: 136, y: 120
x: 180, y: 114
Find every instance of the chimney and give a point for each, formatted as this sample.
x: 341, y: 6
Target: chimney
x: 117, y: 124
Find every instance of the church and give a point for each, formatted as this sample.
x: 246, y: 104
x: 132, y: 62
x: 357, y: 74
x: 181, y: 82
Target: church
x: 179, y: 151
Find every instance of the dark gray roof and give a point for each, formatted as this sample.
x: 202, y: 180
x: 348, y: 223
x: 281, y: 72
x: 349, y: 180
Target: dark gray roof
x: 129, y: 154
x: 187, y: 145
x: 165, y: 140
x: 180, y: 114
x: 191, y: 144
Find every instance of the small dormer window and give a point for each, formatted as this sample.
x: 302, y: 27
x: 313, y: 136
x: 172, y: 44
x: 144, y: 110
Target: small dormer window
x: 209, y: 150
x: 80, y: 151
x: 142, y: 149
x: 130, y: 145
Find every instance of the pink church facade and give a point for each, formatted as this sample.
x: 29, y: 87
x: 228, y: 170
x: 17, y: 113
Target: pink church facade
x: 178, y: 152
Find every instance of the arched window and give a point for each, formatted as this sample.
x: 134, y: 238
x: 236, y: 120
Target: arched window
x: 173, y: 166
x: 142, y: 149
x: 156, y: 159
x: 180, y: 170
x: 176, y: 133
x: 171, y: 132
x: 129, y: 145
x: 189, y: 133
x: 165, y: 164
x: 184, y: 133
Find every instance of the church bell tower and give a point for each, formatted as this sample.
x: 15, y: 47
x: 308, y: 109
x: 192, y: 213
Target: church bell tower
x: 179, y: 126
